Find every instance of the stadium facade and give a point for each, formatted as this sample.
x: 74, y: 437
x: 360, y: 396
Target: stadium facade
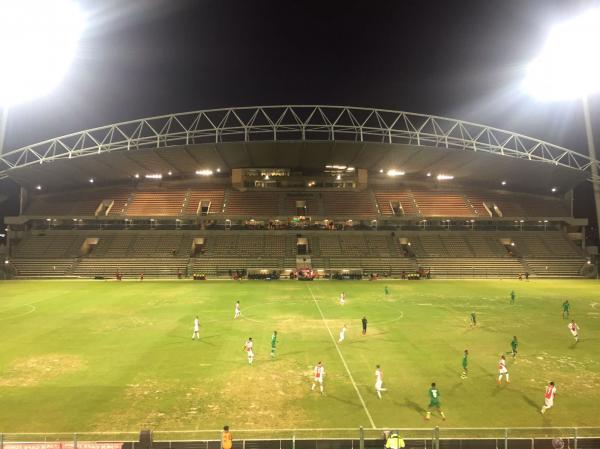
x: 341, y: 191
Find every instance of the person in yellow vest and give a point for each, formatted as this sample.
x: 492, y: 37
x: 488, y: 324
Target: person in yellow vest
x: 226, y: 439
x: 394, y: 441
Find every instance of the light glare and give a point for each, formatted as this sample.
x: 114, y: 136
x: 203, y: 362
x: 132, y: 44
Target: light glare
x: 393, y: 172
x: 568, y: 66
x: 38, y: 40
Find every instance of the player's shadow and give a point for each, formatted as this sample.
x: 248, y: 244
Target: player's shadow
x: 344, y: 401
x: 355, y: 342
x: 499, y: 388
x: 203, y: 339
x: 412, y: 404
x: 529, y: 402
x: 456, y: 385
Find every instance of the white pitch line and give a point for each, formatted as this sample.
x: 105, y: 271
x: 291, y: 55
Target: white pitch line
x: 362, y: 401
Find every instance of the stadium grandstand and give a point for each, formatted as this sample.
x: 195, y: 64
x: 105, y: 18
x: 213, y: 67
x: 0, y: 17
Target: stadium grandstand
x: 339, y: 191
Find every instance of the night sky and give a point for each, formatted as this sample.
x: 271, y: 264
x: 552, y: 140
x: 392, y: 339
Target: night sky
x: 461, y: 59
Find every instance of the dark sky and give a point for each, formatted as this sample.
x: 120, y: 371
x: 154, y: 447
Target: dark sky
x: 462, y: 59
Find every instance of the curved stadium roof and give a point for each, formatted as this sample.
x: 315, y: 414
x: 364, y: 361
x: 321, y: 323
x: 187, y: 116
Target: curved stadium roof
x: 296, y: 136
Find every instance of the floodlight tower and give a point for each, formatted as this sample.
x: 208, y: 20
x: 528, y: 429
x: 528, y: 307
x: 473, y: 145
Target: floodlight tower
x: 38, y: 40
x: 568, y: 68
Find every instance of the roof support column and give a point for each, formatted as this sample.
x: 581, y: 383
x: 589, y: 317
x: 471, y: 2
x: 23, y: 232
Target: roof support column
x: 3, y: 121
x: 592, y: 150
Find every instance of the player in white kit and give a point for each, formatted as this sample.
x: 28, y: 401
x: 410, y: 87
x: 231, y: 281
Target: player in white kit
x: 342, y: 299
x: 237, y: 310
x: 319, y: 374
x: 249, y: 348
x: 502, y: 370
x: 196, y: 334
x: 342, y: 334
x: 379, y: 381
x: 549, y: 397
x: 574, y: 330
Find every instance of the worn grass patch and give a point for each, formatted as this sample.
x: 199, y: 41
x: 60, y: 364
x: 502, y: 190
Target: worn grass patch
x: 31, y: 371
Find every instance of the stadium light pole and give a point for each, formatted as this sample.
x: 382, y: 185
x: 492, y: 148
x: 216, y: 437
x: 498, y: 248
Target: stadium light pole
x: 3, y: 120
x: 38, y: 41
x: 568, y: 68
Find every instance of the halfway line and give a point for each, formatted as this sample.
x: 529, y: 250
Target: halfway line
x: 343, y: 360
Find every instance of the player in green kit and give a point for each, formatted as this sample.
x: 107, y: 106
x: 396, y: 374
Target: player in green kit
x: 273, y: 343
x: 465, y: 364
x: 473, y: 318
x: 386, y: 291
x: 514, y: 344
x: 566, y: 308
x: 512, y: 297
x: 434, y: 401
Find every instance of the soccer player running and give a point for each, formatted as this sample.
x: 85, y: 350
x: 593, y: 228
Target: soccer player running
x: 273, y: 343
x: 364, y: 325
x: 502, y: 370
x: 434, y: 401
x: 513, y: 296
x: 379, y: 381
x: 237, y: 312
x: 514, y: 344
x: 386, y: 290
x: 549, y: 397
x: 342, y: 299
x: 196, y: 334
x: 319, y: 374
x: 249, y: 348
x: 473, y: 319
x: 574, y: 328
x: 465, y: 365
x: 342, y: 334
x: 566, y: 308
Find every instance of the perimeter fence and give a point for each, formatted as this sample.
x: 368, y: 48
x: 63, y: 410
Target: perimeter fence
x: 329, y: 438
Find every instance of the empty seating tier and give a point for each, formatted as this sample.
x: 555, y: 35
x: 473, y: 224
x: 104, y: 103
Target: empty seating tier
x: 212, y: 199
x: 251, y: 203
x: 84, y: 203
x: 348, y: 204
x: 157, y: 203
x: 388, y: 199
x: 438, y: 203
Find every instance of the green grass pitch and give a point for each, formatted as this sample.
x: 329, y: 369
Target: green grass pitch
x: 104, y: 355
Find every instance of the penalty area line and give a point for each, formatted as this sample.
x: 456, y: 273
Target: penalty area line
x: 362, y: 401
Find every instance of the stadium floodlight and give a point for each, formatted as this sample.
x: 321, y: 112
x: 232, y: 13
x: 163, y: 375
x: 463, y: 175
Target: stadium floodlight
x: 568, y: 68
x: 204, y: 172
x: 38, y: 40
x: 503, y: 183
x: 153, y: 176
x: 393, y: 172
x: 553, y: 189
x: 444, y: 177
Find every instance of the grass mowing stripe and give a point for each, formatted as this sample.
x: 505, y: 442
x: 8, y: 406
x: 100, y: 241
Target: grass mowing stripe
x: 362, y: 401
